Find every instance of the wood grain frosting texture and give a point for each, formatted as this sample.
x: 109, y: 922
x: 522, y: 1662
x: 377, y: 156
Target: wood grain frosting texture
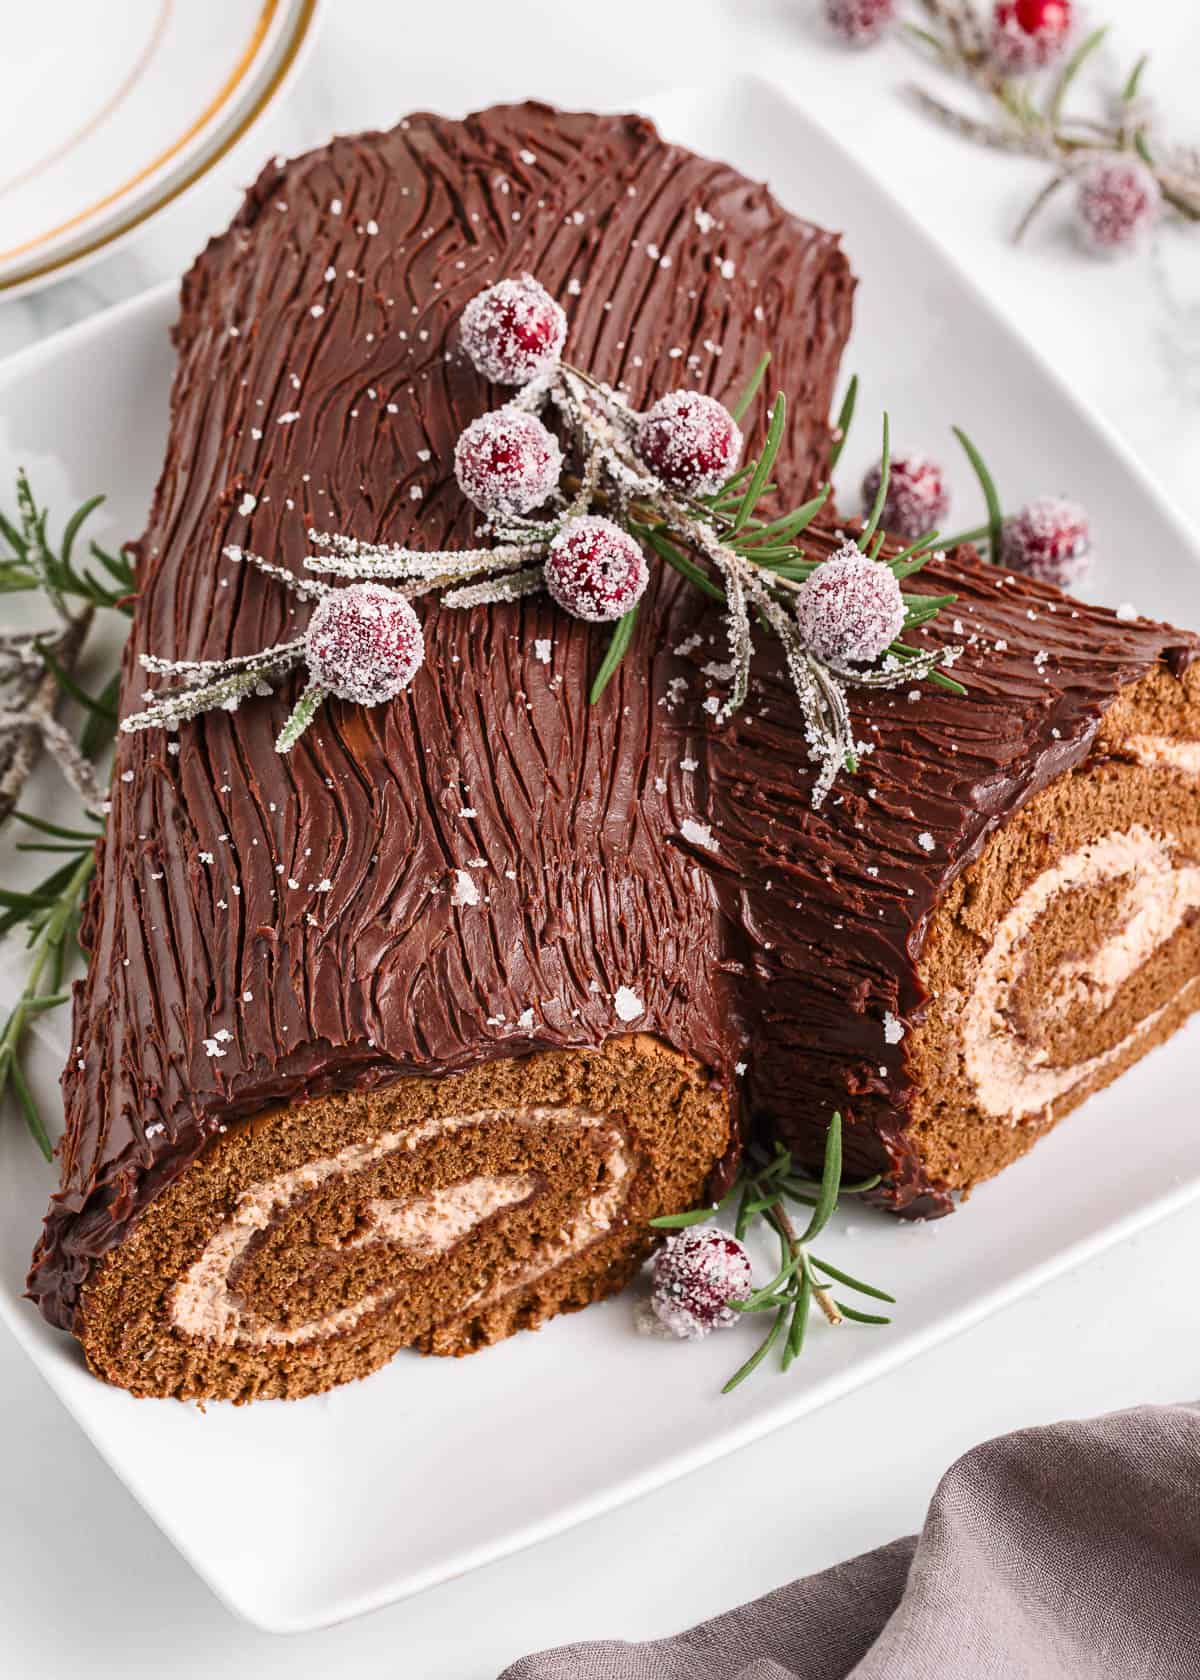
x: 264, y: 928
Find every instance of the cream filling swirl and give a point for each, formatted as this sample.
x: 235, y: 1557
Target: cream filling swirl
x: 1013, y: 1078
x: 203, y: 1304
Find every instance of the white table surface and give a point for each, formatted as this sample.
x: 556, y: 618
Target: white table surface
x: 87, y: 1584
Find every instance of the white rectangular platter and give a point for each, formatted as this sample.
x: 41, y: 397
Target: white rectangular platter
x: 299, y: 1515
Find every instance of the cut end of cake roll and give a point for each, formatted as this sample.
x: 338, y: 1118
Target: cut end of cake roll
x: 1070, y: 947
x: 310, y: 1244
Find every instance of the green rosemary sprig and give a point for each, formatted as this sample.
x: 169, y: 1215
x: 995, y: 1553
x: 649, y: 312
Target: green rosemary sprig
x: 762, y: 1188
x: 34, y: 563
x: 37, y: 674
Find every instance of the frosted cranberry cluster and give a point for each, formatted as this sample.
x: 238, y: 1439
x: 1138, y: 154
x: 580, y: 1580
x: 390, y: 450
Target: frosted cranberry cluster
x: 509, y: 463
x: 1048, y: 538
x: 576, y: 490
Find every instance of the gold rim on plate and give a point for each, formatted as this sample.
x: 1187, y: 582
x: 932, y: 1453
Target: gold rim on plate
x: 301, y: 27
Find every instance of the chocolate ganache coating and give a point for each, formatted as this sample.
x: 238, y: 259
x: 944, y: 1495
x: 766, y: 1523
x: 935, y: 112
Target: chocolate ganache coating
x: 477, y: 868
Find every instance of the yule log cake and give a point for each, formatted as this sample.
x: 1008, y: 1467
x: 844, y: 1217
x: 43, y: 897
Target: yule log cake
x: 402, y: 1037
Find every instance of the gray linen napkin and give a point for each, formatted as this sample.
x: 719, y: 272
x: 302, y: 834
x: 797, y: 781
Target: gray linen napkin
x: 1065, y: 1553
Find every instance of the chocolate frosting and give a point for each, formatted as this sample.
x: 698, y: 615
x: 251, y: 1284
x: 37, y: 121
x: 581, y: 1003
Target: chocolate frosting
x: 265, y: 928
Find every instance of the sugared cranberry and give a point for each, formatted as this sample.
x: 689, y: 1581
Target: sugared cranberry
x: 850, y: 609
x: 507, y: 462
x: 1116, y: 202
x: 1028, y: 34
x: 860, y: 23
x: 1050, y: 540
x: 513, y: 331
x: 917, y: 497
x: 364, y: 643
x: 595, y: 570
x: 697, y: 1274
x: 691, y: 442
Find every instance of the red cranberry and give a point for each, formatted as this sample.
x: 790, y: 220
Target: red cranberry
x: 1029, y: 34
x: 1116, y: 202
x: 917, y: 497
x: 507, y: 462
x: 513, y: 331
x: 860, y: 23
x: 696, y: 1276
x: 595, y: 570
x: 1050, y: 540
x: 364, y: 643
x: 850, y: 609
x: 691, y: 442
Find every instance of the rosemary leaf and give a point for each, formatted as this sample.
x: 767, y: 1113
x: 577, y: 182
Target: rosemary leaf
x: 756, y: 1358
x: 688, y: 568
x: 925, y: 37
x: 617, y: 648
x: 799, y: 1324
x: 742, y: 1223
x: 760, y: 1296
x: 987, y: 484
x: 67, y: 683
x: 916, y: 555
x: 680, y: 1221
x: 23, y: 900
x: 751, y: 391
x: 100, y: 726
x: 885, y: 468
x: 860, y: 1317
x: 830, y: 1179
x: 1068, y: 73
x: 974, y: 535
x: 71, y: 528
x: 47, y: 1000
x: 789, y: 524
x: 795, y: 1287
x: 302, y: 714
x: 852, y: 1282
x: 44, y: 827
x: 29, y: 1108
x: 50, y: 846
x: 762, y: 469
x: 1130, y: 91
x: 841, y: 427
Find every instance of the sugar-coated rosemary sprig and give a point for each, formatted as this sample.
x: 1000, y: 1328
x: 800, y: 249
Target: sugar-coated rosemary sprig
x: 37, y: 676
x: 667, y: 481
x: 1037, y: 121
x: 763, y: 1187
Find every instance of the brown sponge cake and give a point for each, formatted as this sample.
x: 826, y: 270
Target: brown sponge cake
x: 998, y: 915
x: 1071, y: 947
x: 307, y: 1246
x: 353, y: 1065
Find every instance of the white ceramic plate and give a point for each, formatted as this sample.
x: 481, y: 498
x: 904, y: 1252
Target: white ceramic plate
x: 298, y: 1515
x: 108, y: 119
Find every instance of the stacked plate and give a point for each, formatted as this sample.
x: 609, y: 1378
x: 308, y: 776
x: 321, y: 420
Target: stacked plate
x: 97, y: 140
